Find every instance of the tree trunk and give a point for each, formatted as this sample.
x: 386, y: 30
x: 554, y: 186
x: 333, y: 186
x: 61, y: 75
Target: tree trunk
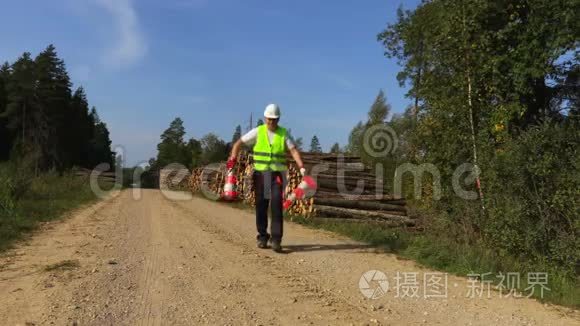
x: 322, y: 210
x: 471, y: 118
x: 386, y: 223
x: 381, y: 198
x: 365, y: 205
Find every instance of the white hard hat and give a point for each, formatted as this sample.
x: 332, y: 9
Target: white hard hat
x: 272, y: 111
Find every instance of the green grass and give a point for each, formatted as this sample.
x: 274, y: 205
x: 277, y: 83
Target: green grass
x: 45, y: 198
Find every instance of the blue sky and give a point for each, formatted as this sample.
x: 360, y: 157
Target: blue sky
x: 213, y: 62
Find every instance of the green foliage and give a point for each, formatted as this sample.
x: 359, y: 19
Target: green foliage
x: 172, y: 148
x: 536, y: 214
x: 335, y: 148
x: 486, y: 77
x: 237, y: 134
x: 379, y: 110
x: 36, y: 199
x: 43, y: 122
x: 194, y: 149
x: 377, y: 114
x: 298, y: 142
x: 355, y: 139
x: 315, y: 145
x: 7, y: 201
x: 213, y: 148
x: 5, y: 134
x: 100, y: 143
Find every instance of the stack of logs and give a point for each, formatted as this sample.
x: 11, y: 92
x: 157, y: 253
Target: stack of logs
x: 211, y: 179
x: 174, y: 179
x: 336, y: 198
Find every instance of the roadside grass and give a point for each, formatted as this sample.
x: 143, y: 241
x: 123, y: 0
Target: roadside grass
x: 45, y: 198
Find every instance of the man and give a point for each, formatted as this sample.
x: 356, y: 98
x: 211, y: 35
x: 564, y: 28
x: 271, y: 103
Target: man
x: 271, y: 142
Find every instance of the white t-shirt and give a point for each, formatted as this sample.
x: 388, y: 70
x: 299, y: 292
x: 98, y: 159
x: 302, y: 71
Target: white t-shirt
x: 251, y: 136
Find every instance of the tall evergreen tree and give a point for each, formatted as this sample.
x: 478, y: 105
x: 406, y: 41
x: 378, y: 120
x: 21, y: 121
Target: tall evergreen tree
x: 355, y: 139
x: 42, y: 124
x: 82, y: 128
x: 237, y: 134
x: 100, y: 143
x: 25, y: 115
x: 5, y: 134
x: 335, y: 149
x: 315, y: 145
x: 172, y: 148
x: 379, y: 110
x: 53, y: 88
x: 299, y: 143
x: 260, y: 122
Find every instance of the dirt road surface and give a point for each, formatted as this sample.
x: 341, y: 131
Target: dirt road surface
x: 154, y: 261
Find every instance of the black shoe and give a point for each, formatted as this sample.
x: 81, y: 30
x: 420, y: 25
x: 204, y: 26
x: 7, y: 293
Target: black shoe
x: 276, y: 246
x: 263, y: 241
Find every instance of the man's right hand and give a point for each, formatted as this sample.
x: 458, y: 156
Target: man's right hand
x: 231, y: 163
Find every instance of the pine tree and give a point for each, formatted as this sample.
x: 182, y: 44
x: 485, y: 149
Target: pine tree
x: 335, y: 149
x: 82, y: 129
x: 100, y: 143
x: 172, y: 148
x: 43, y: 125
x: 53, y: 88
x: 5, y: 134
x: 25, y: 115
x: 379, y: 110
x: 237, y: 134
x: 355, y: 139
x: 315, y: 145
x: 260, y: 122
x: 298, y: 142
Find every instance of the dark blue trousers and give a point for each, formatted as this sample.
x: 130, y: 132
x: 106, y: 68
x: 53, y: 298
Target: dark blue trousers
x: 269, y: 190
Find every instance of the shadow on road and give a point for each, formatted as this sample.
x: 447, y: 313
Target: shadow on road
x: 318, y: 247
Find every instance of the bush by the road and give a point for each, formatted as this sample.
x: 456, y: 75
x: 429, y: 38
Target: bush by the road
x: 26, y: 200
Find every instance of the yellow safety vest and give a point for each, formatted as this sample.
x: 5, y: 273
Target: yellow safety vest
x: 270, y: 157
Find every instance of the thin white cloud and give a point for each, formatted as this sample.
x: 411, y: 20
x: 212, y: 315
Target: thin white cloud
x: 129, y: 45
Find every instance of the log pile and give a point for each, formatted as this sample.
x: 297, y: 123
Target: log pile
x: 174, y: 179
x: 336, y: 198
x: 347, y: 191
x: 212, y: 178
